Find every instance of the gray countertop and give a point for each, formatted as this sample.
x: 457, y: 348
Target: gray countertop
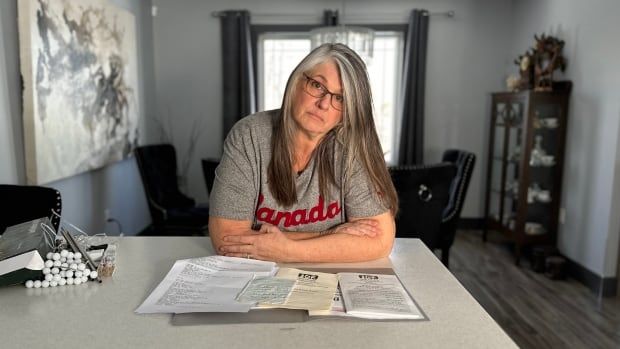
x: 102, y: 315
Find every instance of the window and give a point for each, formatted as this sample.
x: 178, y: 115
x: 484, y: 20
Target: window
x: 279, y: 52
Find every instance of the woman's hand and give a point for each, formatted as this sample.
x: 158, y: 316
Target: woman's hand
x: 360, y: 227
x: 269, y: 243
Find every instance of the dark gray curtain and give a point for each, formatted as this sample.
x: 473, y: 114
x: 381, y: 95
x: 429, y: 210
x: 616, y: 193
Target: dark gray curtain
x: 239, y: 93
x: 412, y: 99
x: 330, y: 18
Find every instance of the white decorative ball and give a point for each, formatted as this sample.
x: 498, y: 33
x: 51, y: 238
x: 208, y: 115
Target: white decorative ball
x: 56, y: 256
x: 49, y: 255
x: 73, y: 266
x: 62, y: 282
x: 49, y: 277
x: 57, y: 263
x: 77, y: 255
x: 45, y: 284
x: 29, y: 284
x: 69, y: 281
x: 37, y: 284
x: 78, y: 274
x: 56, y: 278
x: 64, y: 253
x: 64, y: 265
x: 77, y: 281
x: 93, y: 274
x: 46, y: 271
x: 53, y: 283
x: 84, y: 279
x: 69, y: 274
x: 63, y: 274
x: 49, y: 263
x: 55, y: 270
x: 81, y: 266
x: 70, y: 255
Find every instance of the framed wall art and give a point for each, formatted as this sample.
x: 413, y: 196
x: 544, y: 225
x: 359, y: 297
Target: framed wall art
x: 80, y: 93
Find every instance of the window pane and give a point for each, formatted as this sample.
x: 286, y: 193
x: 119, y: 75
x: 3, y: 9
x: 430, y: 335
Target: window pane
x: 280, y: 57
x: 383, y: 71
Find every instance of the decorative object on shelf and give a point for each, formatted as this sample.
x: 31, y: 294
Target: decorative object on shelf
x: 548, y: 122
x: 537, y: 65
x: 539, y: 156
x: 534, y: 228
x: 80, y: 73
x: 513, y: 82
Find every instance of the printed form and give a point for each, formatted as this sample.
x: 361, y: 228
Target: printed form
x: 292, y: 289
x: 207, y: 284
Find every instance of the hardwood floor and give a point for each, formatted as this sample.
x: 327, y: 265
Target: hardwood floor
x: 535, y: 312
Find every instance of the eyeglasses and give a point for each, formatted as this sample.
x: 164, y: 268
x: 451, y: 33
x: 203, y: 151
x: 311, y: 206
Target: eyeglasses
x: 318, y: 90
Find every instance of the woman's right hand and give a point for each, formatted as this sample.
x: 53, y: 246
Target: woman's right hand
x: 360, y: 227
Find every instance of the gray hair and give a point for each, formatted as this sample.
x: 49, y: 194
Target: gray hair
x: 356, y: 133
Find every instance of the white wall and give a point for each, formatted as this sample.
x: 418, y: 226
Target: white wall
x: 591, y: 181
x: 466, y: 56
x: 116, y: 187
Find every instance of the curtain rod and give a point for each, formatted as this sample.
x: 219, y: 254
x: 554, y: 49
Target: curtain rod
x: 449, y: 13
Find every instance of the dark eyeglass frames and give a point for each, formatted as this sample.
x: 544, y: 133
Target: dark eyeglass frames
x: 318, y: 90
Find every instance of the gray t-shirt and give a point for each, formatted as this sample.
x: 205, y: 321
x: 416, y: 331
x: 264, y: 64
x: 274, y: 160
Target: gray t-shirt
x: 241, y: 192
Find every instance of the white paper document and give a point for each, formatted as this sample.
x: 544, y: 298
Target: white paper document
x: 376, y: 296
x: 304, y: 290
x: 208, y: 284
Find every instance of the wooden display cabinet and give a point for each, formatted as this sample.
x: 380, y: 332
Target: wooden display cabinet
x: 525, y: 162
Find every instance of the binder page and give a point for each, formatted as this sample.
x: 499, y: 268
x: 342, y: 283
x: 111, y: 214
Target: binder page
x: 376, y: 296
x: 307, y: 290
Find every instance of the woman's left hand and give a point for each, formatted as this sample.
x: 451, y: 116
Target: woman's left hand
x: 269, y: 243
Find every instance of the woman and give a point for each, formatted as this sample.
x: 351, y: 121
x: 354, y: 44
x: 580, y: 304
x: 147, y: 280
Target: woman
x: 311, y: 174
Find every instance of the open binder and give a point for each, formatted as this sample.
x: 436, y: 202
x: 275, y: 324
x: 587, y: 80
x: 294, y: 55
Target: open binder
x: 283, y: 315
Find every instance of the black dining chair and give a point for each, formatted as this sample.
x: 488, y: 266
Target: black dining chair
x: 464, y: 162
x: 172, y: 212
x: 423, y: 193
x: 23, y: 203
x: 208, y: 170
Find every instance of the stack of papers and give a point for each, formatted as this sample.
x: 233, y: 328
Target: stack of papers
x: 207, y: 284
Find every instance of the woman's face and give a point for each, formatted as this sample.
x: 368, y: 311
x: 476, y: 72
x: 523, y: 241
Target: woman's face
x: 316, y: 116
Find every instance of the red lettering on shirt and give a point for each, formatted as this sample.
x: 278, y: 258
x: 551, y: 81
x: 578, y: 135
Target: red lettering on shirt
x: 316, y: 213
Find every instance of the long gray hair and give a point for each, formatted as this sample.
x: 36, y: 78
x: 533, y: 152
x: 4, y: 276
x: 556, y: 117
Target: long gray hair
x: 356, y: 132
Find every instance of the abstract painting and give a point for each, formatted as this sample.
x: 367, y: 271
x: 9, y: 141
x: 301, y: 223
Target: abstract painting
x: 80, y: 93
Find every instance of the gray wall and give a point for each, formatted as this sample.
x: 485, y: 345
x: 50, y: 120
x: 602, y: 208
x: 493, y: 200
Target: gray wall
x: 466, y: 56
x: 116, y: 187
x: 591, y: 189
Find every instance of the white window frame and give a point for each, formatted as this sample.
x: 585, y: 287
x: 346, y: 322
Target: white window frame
x: 391, y: 158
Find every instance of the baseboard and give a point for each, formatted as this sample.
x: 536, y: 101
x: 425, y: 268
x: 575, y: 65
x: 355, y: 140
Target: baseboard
x: 601, y: 286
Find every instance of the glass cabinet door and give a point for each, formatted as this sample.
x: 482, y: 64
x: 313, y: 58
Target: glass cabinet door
x: 542, y: 169
x: 506, y: 159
